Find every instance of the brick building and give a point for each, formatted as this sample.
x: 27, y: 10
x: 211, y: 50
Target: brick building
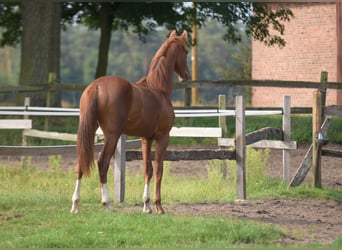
x: 313, y: 44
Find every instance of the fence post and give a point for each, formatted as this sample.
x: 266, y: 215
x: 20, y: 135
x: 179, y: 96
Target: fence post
x: 286, y: 137
x: 240, y: 143
x: 27, y: 102
x: 316, y: 150
x: 222, y: 119
x: 318, y: 115
x: 24, y: 141
x: 51, y: 80
x: 223, y: 125
x: 119, y: 169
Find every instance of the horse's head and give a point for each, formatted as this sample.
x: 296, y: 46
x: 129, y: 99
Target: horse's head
x: 181, y: 66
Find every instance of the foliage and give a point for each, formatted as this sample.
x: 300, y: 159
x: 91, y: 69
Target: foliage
x: 141, y: 18
x: 129, y: 58
x: 259, y: 18
x: 10, y: 24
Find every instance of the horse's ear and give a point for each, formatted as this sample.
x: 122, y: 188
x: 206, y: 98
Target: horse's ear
x: 173, y: 33
x: 185, y: 35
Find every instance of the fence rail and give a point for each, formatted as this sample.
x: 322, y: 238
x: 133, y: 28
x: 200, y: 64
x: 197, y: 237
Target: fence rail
x: 46, y: 111
x: 178, y: 85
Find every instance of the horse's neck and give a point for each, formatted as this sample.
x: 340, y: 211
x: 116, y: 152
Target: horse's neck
x: 160, y: 77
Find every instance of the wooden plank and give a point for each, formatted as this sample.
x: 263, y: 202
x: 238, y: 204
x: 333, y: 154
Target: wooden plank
x: 332, y: 153
x: 15, y: 124
x: 226, y: 142
x: 256, y: 83
x: 273, y: 144
x: 186, y: 155
x: 189, y: 132
x: 264, y: 133
x: 333, y: 110
x: 306, y: 163
x: 43, y: 150
x: 132, y: 144
x: 174, y: 155
x: 196, y: 132
x: 50, y: 135
x: 288, y: 145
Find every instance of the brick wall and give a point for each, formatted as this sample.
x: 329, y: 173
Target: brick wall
x: 311, y: 47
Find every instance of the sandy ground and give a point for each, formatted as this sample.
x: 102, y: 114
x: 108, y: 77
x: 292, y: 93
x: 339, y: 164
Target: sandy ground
x: 304, y: 221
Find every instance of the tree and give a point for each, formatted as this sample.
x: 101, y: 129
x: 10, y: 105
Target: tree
x: 140, y: 17
x: 40, y: 45
x: 258, y: 18
x: 38, y: 16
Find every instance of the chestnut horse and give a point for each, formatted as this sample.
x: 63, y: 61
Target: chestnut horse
x: 143, y: 109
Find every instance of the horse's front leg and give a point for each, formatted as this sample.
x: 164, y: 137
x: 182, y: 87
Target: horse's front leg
x: 148, y: 172
x: 160, y: 148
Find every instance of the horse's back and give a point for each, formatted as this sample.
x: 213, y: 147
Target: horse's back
x: 114, y: 96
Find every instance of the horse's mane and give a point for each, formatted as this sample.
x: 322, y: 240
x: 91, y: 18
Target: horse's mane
x: 157, y: 75
x: 161, y: 52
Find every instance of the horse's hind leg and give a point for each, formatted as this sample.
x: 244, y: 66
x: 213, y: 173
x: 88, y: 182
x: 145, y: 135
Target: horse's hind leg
x: 103, y: 164
x: 77, y: 193
x: 148, y: 172
x: 160, y: 148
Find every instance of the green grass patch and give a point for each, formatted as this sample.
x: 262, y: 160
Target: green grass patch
x: 35, y: 203
x: 34, y: 212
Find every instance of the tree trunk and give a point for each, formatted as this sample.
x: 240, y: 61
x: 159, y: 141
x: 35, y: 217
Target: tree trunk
x: 40, y: 48
x: 106, y: 20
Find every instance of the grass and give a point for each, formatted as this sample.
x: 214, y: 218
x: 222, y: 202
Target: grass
x: 55, y: 227
x: 35, y: 203
x: 34, y: 212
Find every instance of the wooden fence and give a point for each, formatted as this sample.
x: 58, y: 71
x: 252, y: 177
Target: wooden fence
x: 321, y: 119
x: 312, y: 158
x: 125, y: 150
x: 52, y: 86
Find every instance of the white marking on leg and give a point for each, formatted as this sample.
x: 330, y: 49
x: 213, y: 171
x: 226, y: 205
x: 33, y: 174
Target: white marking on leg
x: 104, y: 193
x: 146, y: 195
x: 76, y: 197
x: 105, y: 197
x: 146, y: 199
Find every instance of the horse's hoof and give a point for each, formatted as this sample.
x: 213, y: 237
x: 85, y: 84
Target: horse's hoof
x: 160, y: 210
x: 147, y: 211
x: 147, y: 208
x: 74, y: 210
x: 108, y: 207
x: 74, y: 207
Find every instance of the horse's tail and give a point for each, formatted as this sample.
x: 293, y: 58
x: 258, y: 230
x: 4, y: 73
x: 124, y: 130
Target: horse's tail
x: 87, y: 129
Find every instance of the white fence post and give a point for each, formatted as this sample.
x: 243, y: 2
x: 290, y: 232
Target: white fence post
x: 240, y: 145
x: 119, y: 169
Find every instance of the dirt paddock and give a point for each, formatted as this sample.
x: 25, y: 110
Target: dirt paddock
x: 303, y: 221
